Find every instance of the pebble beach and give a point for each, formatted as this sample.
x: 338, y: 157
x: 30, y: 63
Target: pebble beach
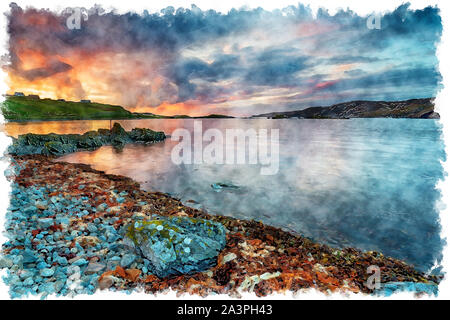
x: 66, y: 222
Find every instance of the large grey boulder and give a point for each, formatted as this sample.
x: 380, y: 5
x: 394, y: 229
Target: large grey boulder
x: 177, y: 245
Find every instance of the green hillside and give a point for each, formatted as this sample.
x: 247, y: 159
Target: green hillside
x: 18, y: 108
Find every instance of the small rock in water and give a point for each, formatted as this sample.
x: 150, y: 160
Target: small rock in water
x: 222, y: 185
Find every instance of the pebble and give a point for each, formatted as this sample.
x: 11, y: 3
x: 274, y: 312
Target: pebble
x: 80, y: 262
x: 5, y: 263
x: 106, y: 282
x: 127, y: 260
x: 46, y: 272
x: 229, y: 257
x: 94, y: 267
x: 28, y: 281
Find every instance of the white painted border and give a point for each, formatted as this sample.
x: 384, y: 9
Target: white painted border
x: 360, y: 7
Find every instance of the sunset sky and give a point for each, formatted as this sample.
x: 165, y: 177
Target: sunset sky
x: 241, y: 62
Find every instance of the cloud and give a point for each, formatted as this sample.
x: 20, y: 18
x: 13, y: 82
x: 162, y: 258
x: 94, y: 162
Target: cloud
x: 422, y: 25
x: 350, y: 59
x: 275, y: 67
x: 44, y: 72
x: 247, y: 57
x: 183, y: 72
x: 419, y: 76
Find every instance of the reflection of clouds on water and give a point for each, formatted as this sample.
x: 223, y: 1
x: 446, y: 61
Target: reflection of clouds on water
x: 367, y: 183
x: 62, y: 127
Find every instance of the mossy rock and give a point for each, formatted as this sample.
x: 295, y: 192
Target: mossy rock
x: 57, y: 148
x: 146, y: 135
x: 177, y: 245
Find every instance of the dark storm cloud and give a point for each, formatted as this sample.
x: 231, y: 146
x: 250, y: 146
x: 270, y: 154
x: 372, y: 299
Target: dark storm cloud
x: 275, y: 67
x: 169, y: 30
x: 44, y: 72
x: 223, y: 67
x: 185, y: 70
x: 424, y: 25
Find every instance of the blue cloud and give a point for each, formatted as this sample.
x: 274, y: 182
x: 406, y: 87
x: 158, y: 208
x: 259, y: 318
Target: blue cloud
x: 275, y: 67
x: 426, y: 79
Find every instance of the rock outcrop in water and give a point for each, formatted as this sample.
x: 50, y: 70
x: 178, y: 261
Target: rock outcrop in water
x: 59, y: 144
x: 177, y: 245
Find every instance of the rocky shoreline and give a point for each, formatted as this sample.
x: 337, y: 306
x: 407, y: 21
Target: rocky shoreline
x: 66, y: 223
x: 59, y: 144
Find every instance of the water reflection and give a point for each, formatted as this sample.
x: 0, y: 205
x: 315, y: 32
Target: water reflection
x: 367, y: 183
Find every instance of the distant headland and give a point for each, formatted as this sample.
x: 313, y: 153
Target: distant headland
x: 21, y: 107
x: 413, y: 108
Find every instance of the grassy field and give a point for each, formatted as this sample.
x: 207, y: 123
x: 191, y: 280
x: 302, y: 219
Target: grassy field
x: 16, y: 108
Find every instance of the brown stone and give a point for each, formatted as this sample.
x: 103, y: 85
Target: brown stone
x: 133, y: 274
x: 105, y: 282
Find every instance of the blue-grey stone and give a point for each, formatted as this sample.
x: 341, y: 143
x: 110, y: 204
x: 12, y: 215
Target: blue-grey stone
x: 18, y: 261
x: 59, y: 285
x: 113, y: 262
x: 127, y: 260
x: 80, y: 262
x: 26, y: 274
x: 92, y: 228
x: 102, y: 207
x: 42, y: 265
x: 46, y: 272
x: 5, y: 263
x: 61, y: 260
x: 63, y: 220
x: 45, y: 223
x: 47, y: 288
x: 94, y: 267
x: 28, y: 281
x: 29, y: 210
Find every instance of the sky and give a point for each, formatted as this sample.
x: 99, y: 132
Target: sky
x: 241, y: 62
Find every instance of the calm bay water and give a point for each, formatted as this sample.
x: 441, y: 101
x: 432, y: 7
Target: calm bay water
x: 366, y: 183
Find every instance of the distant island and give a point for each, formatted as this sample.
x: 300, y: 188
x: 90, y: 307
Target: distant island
x: 414, y: 108
x: 19, y: 107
